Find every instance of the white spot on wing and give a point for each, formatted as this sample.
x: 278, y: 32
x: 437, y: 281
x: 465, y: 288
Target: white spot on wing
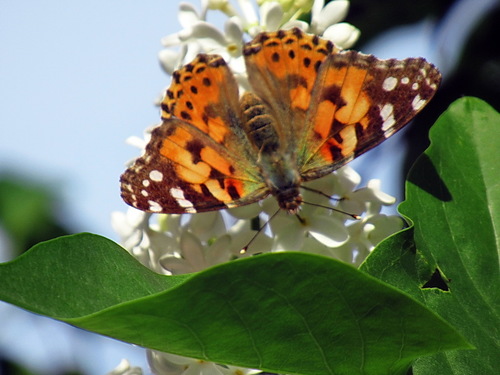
x: 414, y: 86
x: 178, y: 195
x: 405, y: 80
x: 417, y: 102
x: 146, y: 183
x: 390, y: 83
x: 144, y: 193
x: 154, y: 206
x: 387, y: 114
x: 156, y: 175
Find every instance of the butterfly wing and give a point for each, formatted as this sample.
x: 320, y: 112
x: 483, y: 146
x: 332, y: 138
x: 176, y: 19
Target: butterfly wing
x: 198, y: 159
x: 329, y: 107
x: 357, y: 102
x: 281, y: 69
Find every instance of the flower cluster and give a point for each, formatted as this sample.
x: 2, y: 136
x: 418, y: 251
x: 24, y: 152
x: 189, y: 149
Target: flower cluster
x: 177, y: 244
x: 198, y: 35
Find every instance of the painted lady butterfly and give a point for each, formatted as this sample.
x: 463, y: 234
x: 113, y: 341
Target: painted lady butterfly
x: 313, y: 108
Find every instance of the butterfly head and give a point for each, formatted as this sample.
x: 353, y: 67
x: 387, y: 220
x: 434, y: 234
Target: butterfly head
x: 284, y: 182
x: 289, y: 199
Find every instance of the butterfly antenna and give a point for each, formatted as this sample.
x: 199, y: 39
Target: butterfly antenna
x: 245, y: 248
x: 355, y: 217
x: 320, y: 193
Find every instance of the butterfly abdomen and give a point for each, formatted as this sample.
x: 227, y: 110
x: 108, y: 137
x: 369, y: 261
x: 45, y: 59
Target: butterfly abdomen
x: 277, y: 166
x: 259, y: 125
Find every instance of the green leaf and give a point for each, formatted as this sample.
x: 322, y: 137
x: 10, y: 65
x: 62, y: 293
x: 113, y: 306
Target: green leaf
x: 450, y: 259
x: 284, y: 312
x: 27, y: 212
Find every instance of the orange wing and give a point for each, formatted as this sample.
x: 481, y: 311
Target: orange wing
x: 198, y: 159
x: 357, y: 102
x: 282, y: 68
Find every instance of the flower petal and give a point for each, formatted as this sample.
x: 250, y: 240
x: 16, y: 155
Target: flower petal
x: 188, y: 15
x: 248, y: 14
x: 192, y: 251
x: 329, y: 231
x: 384, y: 198
x: 347, y: 180
x: 316, y: 8
x: 207, y: 225
x: 271, y: 15
x: 124, y: 368
x: 234, y: 30
x: 206, y: 31
x: 170, y: 59
x: 161, y: 363
x: 246, y: 212
x: 334, y: 12
x: 383, y: 227
x: 290, y: 238
x: 343, y: 34
x: 304, y: 26
x: 171, y: 40
x: 219, y: 252
x: 175, y: 265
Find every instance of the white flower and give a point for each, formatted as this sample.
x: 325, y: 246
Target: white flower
x: 198, y: 35
x: 132, y: 227
x: 324, y: 224
x: 343, y: 35
x: 124, y: 368
x: 171, y: 364
x: 194, y: 256
x: 295, y: 232
x: 366, y: 233
x: 323, y: 16
x: 247, y: 240
x: 292, y: 231
x: 142, y: 238
x: 325, y: 20
x: 370, y: 199
x: 233, y: 370
x: 223, y: 5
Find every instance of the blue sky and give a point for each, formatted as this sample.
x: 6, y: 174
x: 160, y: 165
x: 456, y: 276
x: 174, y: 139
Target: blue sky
x: 78, y: 78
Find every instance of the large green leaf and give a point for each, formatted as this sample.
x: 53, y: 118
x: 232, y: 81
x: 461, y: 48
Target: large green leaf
x: 450, y: 259
x: 285, y: 312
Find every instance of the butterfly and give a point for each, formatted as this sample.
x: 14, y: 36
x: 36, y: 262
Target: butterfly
x: 312, y: 109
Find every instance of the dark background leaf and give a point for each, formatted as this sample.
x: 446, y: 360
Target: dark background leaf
x: 28, y: 212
